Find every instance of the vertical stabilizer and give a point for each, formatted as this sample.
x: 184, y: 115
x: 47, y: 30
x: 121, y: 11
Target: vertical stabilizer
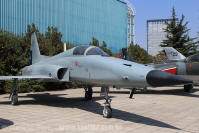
x: 173, y: 54
x: 34, y: 49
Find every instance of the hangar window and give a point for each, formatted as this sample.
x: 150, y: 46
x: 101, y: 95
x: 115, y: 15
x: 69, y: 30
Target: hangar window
x: 96, y: 51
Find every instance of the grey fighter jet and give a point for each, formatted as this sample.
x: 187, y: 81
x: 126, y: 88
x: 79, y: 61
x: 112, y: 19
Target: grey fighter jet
x: 93, y: 67
x: 178, y: 64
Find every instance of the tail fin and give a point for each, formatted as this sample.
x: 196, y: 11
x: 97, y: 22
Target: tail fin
x: 173, y: 54
x: 34, y: 50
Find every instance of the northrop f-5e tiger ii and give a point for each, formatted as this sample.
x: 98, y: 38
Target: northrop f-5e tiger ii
x: 91, y: 66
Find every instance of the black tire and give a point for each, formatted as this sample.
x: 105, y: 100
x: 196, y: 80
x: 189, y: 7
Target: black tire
x: 89, y: 93
x: 107, y: 112
x: 188, y: 88
x: 14, y: 100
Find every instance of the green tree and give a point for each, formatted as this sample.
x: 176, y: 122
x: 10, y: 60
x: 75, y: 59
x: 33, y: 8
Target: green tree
x: 139, y: 54
x: 177, y: 36
x: 94, y: 42
x: 13, y: 57
x: 50, y: 43
x: 14, y: 51
x: 40, y: 37
x: 53, y: 40
x: 69, y: 45
x: 104, y: 45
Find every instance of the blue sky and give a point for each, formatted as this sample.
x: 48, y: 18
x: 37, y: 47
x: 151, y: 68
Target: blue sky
x: 161, y: 9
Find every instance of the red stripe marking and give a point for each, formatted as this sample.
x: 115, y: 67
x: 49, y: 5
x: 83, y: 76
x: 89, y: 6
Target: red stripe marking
x: 76, y: 63
x: 171, y: 70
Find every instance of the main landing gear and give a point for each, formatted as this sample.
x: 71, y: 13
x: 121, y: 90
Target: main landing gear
x: 107, y: 112
x: 14, y: 93
x: 132, y: 93
x: 188, y: 88
x: 88, y: 93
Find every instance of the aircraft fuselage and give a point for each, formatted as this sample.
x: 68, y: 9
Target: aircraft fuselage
x: 98, y: 70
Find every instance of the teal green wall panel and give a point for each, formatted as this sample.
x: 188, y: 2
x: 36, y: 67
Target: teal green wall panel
x: 78, y: 20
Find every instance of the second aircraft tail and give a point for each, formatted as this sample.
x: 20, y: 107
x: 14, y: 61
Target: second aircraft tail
x: 173, y: 54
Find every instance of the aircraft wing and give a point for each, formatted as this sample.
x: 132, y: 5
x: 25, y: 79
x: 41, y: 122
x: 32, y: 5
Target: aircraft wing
x: 25, y: 77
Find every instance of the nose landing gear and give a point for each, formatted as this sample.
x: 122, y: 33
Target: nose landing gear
x: 14, y: 93
x: 107, y: 112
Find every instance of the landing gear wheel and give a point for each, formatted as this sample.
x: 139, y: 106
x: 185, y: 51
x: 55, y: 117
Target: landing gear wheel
x: 132, y: 93
x: 14, y: 93
x: 88, y: 93
x: 14, y: 99
x: 107, y: 112
x: 188, y: 88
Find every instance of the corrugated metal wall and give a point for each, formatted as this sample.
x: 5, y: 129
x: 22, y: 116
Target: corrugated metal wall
x: 78, y: 20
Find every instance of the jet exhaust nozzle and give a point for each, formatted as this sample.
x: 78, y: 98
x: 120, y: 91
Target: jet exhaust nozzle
x: 157, y: 78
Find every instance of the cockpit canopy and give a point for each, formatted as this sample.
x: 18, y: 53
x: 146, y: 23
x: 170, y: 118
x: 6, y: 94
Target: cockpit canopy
x: 193, y: 58
x: 89, y: 50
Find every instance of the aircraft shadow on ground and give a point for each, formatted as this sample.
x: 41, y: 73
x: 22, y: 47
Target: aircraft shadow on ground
x: 5, y: 123
x: 177, y: 92
x: 91, y: 106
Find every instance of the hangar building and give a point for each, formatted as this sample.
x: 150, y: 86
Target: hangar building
x: 155, y: 35
x: 77, y: 20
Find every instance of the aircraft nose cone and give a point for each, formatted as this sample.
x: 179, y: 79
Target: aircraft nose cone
x: 157, y: 78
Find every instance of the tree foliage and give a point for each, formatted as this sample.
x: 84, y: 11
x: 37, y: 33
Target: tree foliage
x: 50, y: 43
x: 14, y: 51
x: 104, y: 45
x: 139, y: 54
x: 177, y: 36
x: 53, y: 41
x: 94, y: 42
x: 13, y: 56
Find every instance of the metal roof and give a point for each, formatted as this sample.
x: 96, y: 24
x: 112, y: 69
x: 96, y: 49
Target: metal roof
x: 129, y: 6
